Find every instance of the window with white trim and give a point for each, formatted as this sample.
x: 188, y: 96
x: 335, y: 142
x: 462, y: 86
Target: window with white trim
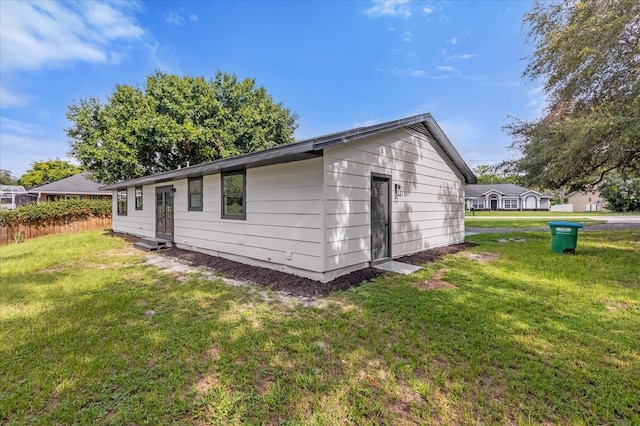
x: 477, y: 203
x: 510, y: 203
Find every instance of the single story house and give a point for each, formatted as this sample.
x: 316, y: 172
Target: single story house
x: 77, y: 186
x: 317, y: 208
x: 505, y: 196
x: 586, y: 201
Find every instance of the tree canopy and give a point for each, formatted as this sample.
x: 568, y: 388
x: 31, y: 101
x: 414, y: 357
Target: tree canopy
x: 587, y: 55
x: 621, y: 194
x: 174, y: 122
x: 42, y: 172
x: 6, y: 178
x: 492, y: 174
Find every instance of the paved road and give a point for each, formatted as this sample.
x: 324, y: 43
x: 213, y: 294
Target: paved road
x: 613, y: 223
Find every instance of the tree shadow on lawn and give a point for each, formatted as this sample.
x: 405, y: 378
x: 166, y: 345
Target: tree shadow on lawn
x: 497, y: 349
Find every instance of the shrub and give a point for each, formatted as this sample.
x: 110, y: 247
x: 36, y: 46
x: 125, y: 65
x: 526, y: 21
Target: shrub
x: 56, y: 212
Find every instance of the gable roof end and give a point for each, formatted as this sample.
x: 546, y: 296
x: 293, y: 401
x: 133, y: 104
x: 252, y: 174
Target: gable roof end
x: 305, y: 149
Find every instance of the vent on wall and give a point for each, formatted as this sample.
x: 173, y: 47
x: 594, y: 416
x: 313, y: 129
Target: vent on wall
x: 419, y: 127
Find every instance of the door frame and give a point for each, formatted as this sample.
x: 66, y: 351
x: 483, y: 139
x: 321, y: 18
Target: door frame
x: 387, y: 178
x: 164, y: 189
x: 491, y: 200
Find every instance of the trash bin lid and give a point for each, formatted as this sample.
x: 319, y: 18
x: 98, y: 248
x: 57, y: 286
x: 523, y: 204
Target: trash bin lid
x: 566, y: 224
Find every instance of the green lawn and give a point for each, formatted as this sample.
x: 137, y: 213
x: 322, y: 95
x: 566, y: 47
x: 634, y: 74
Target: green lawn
x: 536, y: 213
x: 496, y: 222
x: 527, y: 338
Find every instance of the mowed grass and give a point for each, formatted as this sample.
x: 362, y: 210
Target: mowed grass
x: 495, y: 222
x: 517, y: 213
x: 527, y: 338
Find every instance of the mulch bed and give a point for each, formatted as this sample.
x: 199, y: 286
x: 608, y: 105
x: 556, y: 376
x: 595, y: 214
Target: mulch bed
x: 292, y: 284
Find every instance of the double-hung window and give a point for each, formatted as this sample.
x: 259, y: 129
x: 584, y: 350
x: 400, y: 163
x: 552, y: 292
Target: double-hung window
x: 122, y: 202
x: 195, y: 194
x: 234, y: 195
x: 138, y: 198
x: 510, y: 204
x: 477, y: 204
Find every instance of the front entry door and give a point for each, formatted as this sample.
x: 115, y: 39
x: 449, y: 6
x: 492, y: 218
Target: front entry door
x: 380, y: 218
x: 494, y: 204
x: 164, y: 212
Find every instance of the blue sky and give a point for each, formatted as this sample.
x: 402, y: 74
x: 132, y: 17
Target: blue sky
x: 337, y: 64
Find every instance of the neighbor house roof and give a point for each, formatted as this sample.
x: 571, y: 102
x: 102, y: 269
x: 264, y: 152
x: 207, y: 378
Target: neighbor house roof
x: 78, y: 184
x: 506, y: 189
x: 309, y: 148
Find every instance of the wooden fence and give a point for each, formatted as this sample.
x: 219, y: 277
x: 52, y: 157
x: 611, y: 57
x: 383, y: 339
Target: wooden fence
x: 10, y: 234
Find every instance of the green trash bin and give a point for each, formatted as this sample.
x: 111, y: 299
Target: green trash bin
x: 564, y: 236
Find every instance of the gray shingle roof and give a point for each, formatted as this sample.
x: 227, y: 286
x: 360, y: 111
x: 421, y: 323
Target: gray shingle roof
x: 308, y: 148
x: 508, y: 189
x: 76, y: 184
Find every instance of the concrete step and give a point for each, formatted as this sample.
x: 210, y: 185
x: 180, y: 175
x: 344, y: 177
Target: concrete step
x: 146, y: 246
x: 152, y: 244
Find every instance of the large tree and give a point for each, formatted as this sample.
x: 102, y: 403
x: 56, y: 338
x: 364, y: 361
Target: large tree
x: 174, y: 122
x: 42, y: 172
x: 6, y: 178
x: 587, y: 55
x: 492, y: 174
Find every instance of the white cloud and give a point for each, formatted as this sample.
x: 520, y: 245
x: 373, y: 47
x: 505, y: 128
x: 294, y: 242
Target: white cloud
x: 463, y: 57
x: 427, y: 10
x: 23, y: 143
x: 407, y: 36
x: 447, y: 68
x: 12, y: 99
x: 453, y: 41
x: 193, y: 17
x: 36, y: 35
x: 391, y: 8
x: 417, y: 73
x: 174, y: 19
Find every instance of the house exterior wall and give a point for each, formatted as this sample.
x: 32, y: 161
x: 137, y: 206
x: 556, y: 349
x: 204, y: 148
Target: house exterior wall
x: 312, y: 218
x: 586, y: 202
x: 428, y: 215
x: 282, y: 229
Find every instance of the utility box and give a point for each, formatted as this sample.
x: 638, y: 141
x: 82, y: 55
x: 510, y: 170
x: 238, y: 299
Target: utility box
x: 564, y: 236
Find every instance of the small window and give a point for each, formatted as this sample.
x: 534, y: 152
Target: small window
x: 233, y: 195
x: 138, y: 198
x: 195, y: 194
x: 122, y: 203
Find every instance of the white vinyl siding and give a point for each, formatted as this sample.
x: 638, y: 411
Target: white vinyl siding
x: 430, y: 214
x: 312, y: 217
x: 283, y: 225
x: 138, y: 222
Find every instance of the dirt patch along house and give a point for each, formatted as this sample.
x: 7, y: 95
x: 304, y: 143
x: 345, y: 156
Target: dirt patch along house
x: 317, y: 208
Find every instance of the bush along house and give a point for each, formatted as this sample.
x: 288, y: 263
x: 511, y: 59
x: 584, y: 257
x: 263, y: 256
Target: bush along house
x: 317, y: 208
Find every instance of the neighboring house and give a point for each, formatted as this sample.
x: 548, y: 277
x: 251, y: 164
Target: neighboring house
x: 586, y: 201
x: 505, y: 196
x: 318, y: 208
x: 12, y: 196
x: 76, y: 186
